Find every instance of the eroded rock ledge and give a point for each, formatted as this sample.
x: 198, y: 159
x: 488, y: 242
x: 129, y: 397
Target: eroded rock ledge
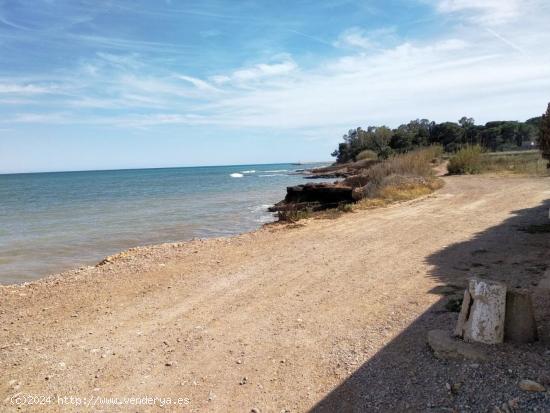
x: 315, y: 197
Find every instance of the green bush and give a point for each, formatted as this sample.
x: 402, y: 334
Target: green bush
x: 366, y: 154
x: 468, y: 160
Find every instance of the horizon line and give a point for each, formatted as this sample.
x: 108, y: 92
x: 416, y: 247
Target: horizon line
x: 159, y: 167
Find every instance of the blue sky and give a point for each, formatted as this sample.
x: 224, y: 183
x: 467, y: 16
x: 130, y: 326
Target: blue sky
x: 120, y: 84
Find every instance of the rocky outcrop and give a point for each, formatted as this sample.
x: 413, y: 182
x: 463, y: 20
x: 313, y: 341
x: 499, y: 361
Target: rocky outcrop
x: 315, y: 197
x: 340, y: 170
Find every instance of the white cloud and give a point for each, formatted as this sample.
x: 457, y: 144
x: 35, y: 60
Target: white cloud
x: 24, y: 89
x: 354, y: 37
x: 490, y: 11
x: 42, y: 118
x: 500, y: 70
x: 258, y: 72
x: 198, y: 83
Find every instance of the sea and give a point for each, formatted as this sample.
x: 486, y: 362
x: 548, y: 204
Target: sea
x: 52, y: 222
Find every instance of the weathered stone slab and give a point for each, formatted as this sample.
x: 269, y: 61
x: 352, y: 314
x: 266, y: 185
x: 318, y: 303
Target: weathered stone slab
x: 483, y: 312
x: 445, y: 346
x: 520, y: 325
x: 464, y: 313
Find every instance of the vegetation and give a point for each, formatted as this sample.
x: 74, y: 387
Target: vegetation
x: 467, y: 160
x: 524, y: 163
x: 400, y: 177
x: 367, y: 154
x: 493, y: 136
x: 544, y: 136
x: 474, y: 160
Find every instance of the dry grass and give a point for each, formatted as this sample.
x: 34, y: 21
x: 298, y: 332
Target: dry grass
x: 472, y: 160
x: 400, y: 178
x: 412, y: 168
x: 405, y: 191
x: 516, y: 163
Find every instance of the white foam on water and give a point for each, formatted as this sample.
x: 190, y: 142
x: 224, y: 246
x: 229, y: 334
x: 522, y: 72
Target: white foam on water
x: 236, y: 175
x: 263, y: 176
x: 276, y: 170
x: 249, y: 172
x: 260, y: 208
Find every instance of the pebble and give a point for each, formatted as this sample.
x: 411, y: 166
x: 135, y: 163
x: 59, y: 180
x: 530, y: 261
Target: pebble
x: 243, y: 381
x: 456, y: 387
x: 530, y: 385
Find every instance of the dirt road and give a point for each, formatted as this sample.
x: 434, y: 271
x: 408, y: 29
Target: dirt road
x: 329, y: 314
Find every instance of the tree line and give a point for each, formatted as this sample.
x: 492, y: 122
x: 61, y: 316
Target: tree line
x: 384, y: 141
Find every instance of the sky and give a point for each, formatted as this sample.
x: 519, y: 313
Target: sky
x: 112, y: 84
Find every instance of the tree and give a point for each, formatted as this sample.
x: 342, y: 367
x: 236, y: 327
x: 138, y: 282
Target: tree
x: 448, y: 134
x: 466, y: 122
x: 544, y: 136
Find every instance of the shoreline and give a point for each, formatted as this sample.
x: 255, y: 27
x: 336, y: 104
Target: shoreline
x: 324, y: 304
x: 61, y: 241
x: 143, y: 250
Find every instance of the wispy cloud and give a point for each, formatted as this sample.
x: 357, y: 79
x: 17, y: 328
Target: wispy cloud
x: 248, y: 76
x: 490, y: 11
x: 370, y: 76
x: 26, y: 89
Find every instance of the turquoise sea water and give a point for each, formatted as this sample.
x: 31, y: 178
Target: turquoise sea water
x: 51, y: 222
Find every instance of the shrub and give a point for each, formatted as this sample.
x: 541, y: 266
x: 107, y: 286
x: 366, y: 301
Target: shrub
x: 411, y: 165
x: 366, y: 154
x: 544, y: 137
x: 467, y: 160
x: 294, y: 215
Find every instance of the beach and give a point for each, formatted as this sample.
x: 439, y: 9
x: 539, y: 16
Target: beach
x: 52, y: 222
x: 320, y: 315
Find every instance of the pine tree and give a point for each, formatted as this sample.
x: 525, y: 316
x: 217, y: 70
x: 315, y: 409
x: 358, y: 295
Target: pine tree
x: 544, y: 137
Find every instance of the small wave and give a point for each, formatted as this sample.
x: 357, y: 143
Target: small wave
x: 252, y: 171
x: 236, y: 175
x: 276, y: 170
x: 260, y: 208
x: 266, y: 175
x: 264, y: 219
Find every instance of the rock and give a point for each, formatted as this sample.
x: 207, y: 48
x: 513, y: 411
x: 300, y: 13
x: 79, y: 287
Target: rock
x: 445, y: 346
x: 314, y: 196
x: 357, y: 194
x: 513, y: 403
x: 455, y: 387
x: 243, y: 381
x: 481, y: 318
x: 520, y: 325
x: 530, y: 385
x: 340, y: 170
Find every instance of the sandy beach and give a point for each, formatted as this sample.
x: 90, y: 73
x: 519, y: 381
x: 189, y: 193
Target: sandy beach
x: 323, y: 315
